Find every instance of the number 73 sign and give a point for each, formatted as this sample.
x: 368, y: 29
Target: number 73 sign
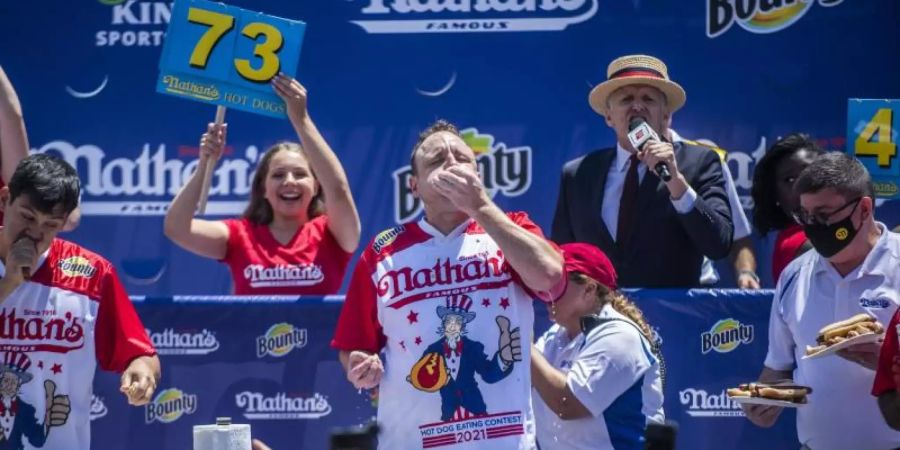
x: 226, y: 55
x: 872, y: 137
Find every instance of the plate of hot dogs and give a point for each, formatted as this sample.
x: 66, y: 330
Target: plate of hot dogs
x: 780, y: 394
x: 859, y: 329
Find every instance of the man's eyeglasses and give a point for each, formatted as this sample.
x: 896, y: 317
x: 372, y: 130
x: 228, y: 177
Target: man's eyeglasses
x: 803, y: 218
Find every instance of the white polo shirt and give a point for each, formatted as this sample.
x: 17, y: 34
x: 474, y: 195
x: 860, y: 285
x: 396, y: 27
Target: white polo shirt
x: 613, y: 373
x: 841, y: 413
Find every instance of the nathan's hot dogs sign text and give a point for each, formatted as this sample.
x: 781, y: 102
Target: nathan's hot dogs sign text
x: 226, y: 56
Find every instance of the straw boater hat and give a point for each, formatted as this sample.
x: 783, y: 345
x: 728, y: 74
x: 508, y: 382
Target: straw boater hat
x: 636, y: 69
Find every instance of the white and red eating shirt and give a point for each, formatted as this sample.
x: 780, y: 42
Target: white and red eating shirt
x: 54, y: 329
x: 439, y: 307
x: 311, y: 263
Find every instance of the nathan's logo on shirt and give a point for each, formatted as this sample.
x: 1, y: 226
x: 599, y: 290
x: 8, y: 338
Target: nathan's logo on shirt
x: 280, y: 339
x: 875, y: 303
x: 444, y: 273
x: 40, y: 331
x: 700, y: 403
x: 757, y: 16
x: 98, y: 408
x: 77, y: 266
x: 725, y: 336
x: 171, y: 342
x: 169, y: 405
x: 283, y: 275
x: 472, y: 16
x: 503, y: 170
x: 386, y: 237
x: 282, y: 406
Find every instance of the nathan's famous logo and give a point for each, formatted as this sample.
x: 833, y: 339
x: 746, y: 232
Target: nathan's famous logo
x: 40, y: 331
x: 77, y: 266
x: 756, y: 16
x: 98, y: 408
x: 196, y: 90
x: 885, y: 188
x: 725, y: 336
x: 404, y: 280
x: 145, y: 184
x: 472, y: 16
x: 282, y: 406
x: 172, y: 342
x: 280, y: 339
x: 503, y: 169
x: 283, y: 275
x: 134, y: 23
x: 700, y: 403
x: 169, y: 405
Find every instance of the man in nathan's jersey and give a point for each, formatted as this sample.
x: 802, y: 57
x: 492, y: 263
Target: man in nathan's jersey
x: 448, y: 301
x: 62, y: 310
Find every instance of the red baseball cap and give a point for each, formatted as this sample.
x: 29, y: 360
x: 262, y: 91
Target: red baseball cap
x: 591, y: 261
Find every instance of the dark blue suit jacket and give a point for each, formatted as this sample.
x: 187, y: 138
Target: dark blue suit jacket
x: 666, y: 248
x: 463, y: 391
x: 24, y: 425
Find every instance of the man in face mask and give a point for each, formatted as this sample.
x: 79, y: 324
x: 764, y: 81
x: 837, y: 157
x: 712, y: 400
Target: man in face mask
x: 854, y: 269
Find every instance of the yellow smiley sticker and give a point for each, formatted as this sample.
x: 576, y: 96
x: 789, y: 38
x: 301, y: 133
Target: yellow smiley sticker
x: 841, y: 233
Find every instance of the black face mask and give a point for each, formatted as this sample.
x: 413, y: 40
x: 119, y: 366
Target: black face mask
x: 829, y: 240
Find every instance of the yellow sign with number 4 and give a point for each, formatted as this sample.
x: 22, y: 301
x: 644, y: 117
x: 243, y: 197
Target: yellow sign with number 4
x: 872, y: 138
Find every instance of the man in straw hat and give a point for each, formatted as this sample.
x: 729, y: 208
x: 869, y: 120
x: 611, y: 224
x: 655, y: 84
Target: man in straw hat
x: 655, y: 231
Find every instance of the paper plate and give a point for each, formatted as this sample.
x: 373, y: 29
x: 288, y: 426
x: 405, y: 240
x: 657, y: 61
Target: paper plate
x: 863, y: 339
x: 766, y: 401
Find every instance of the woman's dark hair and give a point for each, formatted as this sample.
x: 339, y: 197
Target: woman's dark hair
x: 259, y: 211
x: 767, y: 215
x: 48, y: 182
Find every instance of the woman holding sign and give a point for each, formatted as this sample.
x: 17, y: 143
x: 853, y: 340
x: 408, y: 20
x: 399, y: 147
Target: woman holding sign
x: 300, y: 227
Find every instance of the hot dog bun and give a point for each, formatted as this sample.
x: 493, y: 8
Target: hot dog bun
x: 786, y: 392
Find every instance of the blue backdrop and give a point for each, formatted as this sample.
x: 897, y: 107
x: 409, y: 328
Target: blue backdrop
x: 268, y: 363
x: 516, y: 72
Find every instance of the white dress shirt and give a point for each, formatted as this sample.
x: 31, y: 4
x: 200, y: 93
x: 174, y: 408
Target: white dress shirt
x: 615, y: 182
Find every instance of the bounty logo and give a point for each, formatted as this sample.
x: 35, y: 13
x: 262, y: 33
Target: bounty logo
x: 129, y: 23
x: 503, y: 170
x: 170, y: 342
x: 757, y: 16
x: 77, y: 266
x: 472, y: 16
x: 98, y: 408
x: 725, y: 336
x: 700, y: 403
x: 279, y: 340
x: 282, y: 406
x: 169, y: 405
x: 145, y: 185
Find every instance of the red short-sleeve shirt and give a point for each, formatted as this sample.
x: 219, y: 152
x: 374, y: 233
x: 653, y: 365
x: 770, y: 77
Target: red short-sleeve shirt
x: 312, y: 263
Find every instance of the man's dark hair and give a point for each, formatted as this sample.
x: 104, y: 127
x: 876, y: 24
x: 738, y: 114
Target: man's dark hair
x: 838, y: 171
x: 47, y: 181
x: 438, y: 126
x: 767, y: 215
